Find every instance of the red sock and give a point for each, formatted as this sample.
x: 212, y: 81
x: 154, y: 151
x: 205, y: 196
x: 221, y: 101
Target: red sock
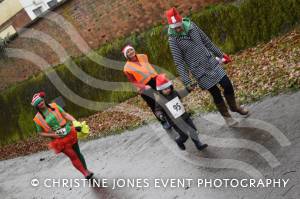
x: 75, y: 160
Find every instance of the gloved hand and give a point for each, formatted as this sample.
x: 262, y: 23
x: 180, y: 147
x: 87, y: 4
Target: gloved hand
x: 164, y: 122
x: 226, y: 59
x: 160, y: 116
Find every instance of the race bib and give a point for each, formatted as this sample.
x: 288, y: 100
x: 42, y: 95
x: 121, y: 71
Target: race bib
x: 61, y: 132
x: 175, y: 107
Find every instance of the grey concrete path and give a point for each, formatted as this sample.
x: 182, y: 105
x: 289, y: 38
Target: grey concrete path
x: 264, y: 146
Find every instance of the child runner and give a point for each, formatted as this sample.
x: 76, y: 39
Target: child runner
x: 169, y: 108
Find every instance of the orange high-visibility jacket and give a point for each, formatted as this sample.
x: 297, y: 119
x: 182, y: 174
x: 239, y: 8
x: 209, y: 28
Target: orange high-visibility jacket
x: 142, y: 71
x: 42, y: 122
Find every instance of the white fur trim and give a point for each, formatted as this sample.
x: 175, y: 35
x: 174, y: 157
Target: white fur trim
x: 126, y: 49
x: 175, y: 25
x: 35, y: 98
x: 173, y: 19
x: 221, y: 61
x: 164, y: 86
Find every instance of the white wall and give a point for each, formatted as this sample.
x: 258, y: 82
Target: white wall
x: 8, y: 9
x: 10, y: 30
x: 30, y: 5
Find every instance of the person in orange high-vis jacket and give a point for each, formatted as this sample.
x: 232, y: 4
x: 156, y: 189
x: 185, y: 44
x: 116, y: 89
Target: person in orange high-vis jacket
x: 143, y: 75
x: 53, y: 122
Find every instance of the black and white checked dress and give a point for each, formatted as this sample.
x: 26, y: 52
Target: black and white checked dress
x: 197, y: 53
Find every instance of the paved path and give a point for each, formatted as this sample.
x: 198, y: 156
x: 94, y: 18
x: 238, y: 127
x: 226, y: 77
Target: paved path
x: 265, y: 145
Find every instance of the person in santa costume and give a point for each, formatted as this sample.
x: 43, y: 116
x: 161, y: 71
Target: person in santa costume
x: 53, y: 122
x: 194, y: 52
x: 142, y: 74
x: 169, y: 108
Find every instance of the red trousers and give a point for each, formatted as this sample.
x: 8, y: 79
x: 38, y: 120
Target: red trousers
x: 65, y: 145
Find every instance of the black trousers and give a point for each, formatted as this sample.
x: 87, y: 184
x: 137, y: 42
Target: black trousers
x: 189, y: 126
x: 216, y: 92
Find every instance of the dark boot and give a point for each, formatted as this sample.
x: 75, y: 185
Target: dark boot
x: 226, y: 115
x: 90, y: 175
x: 180, y: 141
x: 234, y: 107
x: 180, y: 144
x: 199, y: 145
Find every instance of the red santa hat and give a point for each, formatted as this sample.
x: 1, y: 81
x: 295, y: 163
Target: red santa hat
x: 162, y: 82
x: 37, y: 98
x: 174, y: 18
x: 125, y: 49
